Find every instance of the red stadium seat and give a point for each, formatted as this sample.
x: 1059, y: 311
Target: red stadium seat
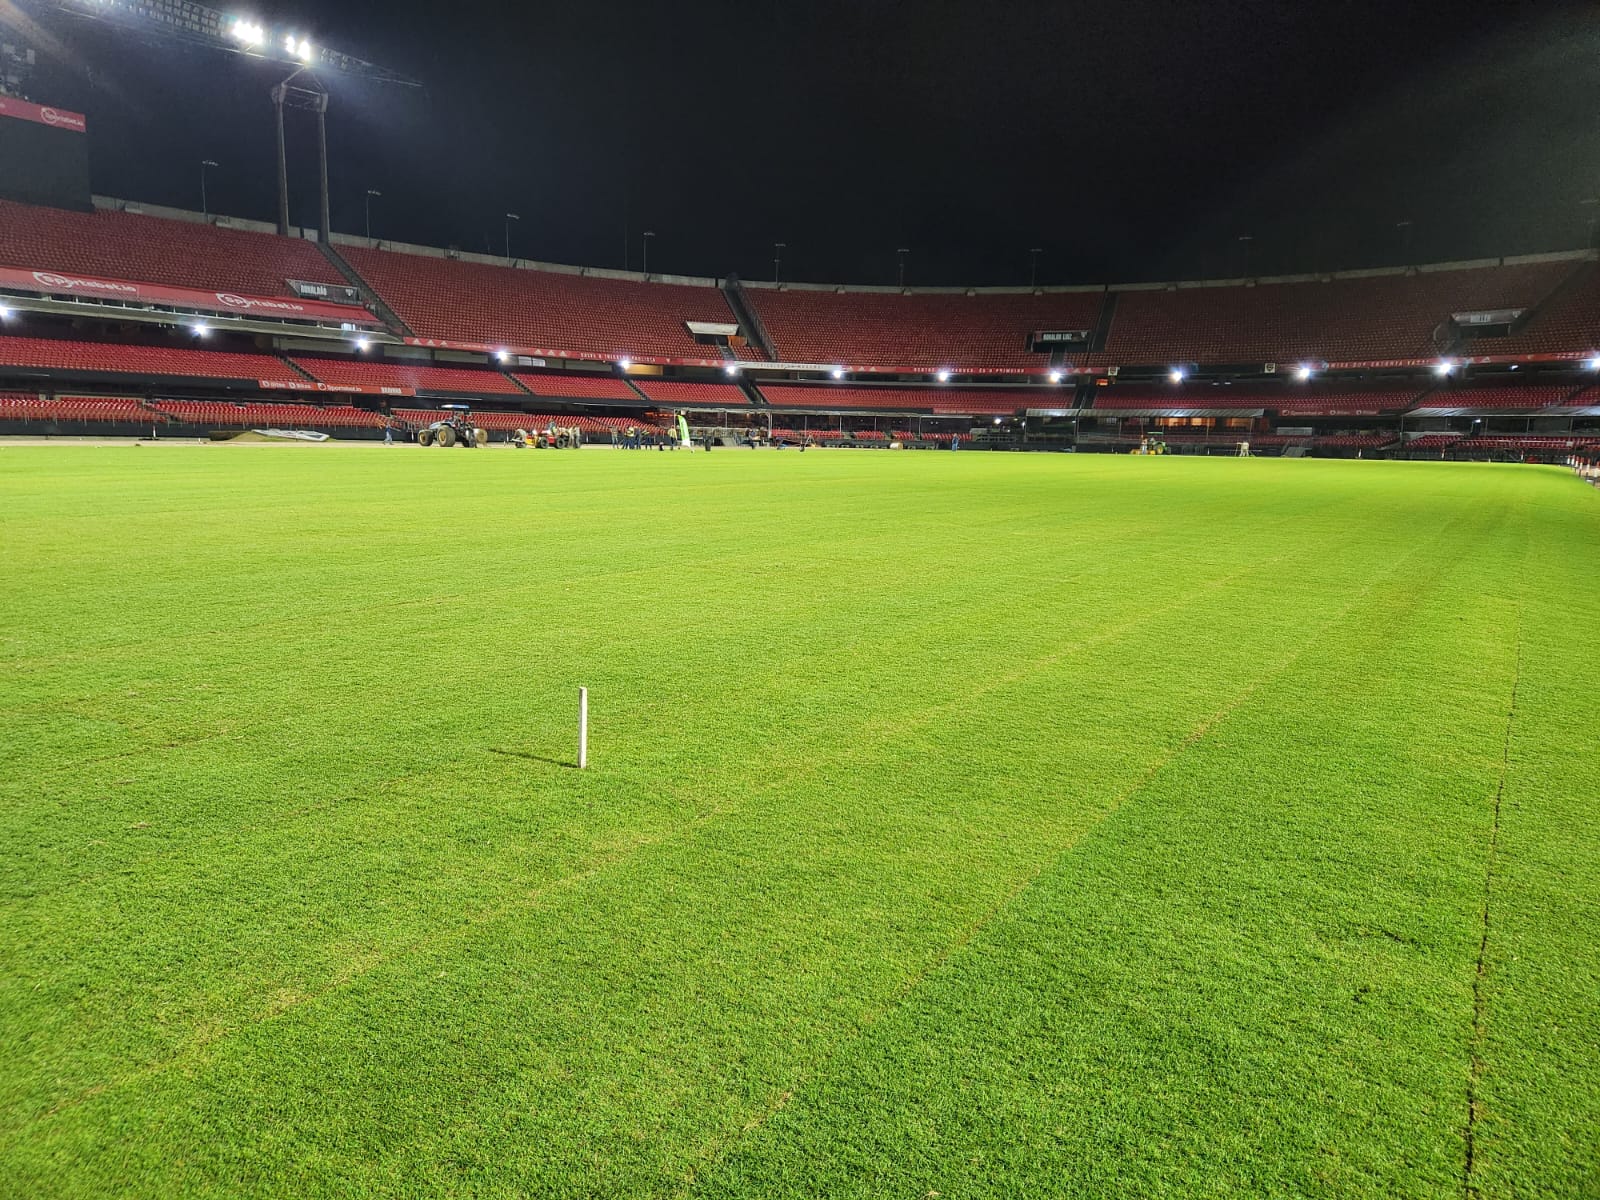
x: 467, y: 381
x: 142, y: 249
x: 928, y: 330
x: 482, y: 304
x: 105, y: 358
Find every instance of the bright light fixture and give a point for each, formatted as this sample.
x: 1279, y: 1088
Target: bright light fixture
x: 1177, y: 375
x: 731, y: 369
x: 943, y: 376
x: 200, y: 330
x: 1594, y: 363
x: 837, y: 372
x: 6, y: 313
x: 997, y: 420
x: 1444, y: 368
x: 1302, y: 373
x: 625, y: 363
x: 363, y: 345
x: 502, y: 356
x: 1055, y: 376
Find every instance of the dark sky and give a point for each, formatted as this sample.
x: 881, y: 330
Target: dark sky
x: 1131, y: 139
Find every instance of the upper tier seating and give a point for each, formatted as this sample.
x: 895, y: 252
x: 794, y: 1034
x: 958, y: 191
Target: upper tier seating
x: 1342, y: 320
x: 1289, y: 401
x: 1568, y: 321
x: 578, y: 387
x: 42, y: 353
x: 264, y: 415
x: 141, y: 249
x: 893, y: 329
x: 467, y: 381
x: 480, y: 304
x: 25, y: 406
x: 951, y: 400
x: 694, y: 395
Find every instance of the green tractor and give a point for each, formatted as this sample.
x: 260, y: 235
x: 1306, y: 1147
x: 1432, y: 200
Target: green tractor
x: 454, y: 430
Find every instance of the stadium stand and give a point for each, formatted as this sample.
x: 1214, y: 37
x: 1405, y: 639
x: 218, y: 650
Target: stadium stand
x: 578, y: 387
x: 481, y: 304
x: 1339, y: 320
x: 467, y: 381
x: 221, y: 413
x: 940, y: 400
x: 1354, y: 441
x: 1133, y: 398
x: 694, y: 395
x: 155, y: 361
x: 1568, y: 321
x: 1528, y: 443
x: 913, y: 329
x: 26, y: 406
x: 144, y: 249
x: 1495, y: 396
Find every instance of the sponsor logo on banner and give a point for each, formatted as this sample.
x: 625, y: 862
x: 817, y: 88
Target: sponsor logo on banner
x: 60, y: 283
x: 54, y: 116
x: 68, y: 283
x: 40, y: 114
x: 229, y: 300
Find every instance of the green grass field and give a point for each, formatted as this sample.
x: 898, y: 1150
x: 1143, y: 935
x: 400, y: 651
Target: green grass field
x: 958, y: 825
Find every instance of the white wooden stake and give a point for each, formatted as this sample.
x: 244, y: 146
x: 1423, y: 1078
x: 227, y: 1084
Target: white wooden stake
x: 583, y: 728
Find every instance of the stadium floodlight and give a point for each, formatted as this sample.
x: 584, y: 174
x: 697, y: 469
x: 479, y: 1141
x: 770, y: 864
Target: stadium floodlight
x: 1177, y: 375
x: 625, y: 363
x: 502, y: 356
x: 1594, y: 363
x: 997, y: 420
x: 363, y: 344
x: 247, y: 33
x: 943, y: 375
x: 1444, y: 368
x: 1302, y: 373
x: 731, y: 369
x: 837, y: 372
x: 6, y: 313
x: 1055, y: 376
x: 188, y: 21
x: 200, y: 329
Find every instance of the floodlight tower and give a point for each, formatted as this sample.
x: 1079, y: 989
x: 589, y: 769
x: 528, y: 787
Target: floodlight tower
x: 197, y: 24
x: 313, y: 96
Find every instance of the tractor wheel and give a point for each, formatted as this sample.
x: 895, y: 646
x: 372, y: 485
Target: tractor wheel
x: 446, y: 436
x: 480, y: 437
x: 424, y: 437
x: 561, y: 441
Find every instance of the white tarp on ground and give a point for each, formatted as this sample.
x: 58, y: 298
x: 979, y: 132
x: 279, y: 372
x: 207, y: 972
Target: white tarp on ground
x: 293, y: 435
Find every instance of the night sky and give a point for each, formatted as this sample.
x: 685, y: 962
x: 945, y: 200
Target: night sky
x: 1131, y: 139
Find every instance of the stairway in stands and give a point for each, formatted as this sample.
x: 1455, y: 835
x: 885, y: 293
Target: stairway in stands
x: 749, y: 319
x: 390, y: 317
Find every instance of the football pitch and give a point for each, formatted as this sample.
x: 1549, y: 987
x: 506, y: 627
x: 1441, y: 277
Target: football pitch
x: 956, y: 825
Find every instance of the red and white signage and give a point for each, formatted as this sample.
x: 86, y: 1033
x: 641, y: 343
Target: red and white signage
x: 43, y: 114
x: 65, y: 283
x: 342, y: 389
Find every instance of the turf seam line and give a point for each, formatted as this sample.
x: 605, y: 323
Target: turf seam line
x: 781, y: 1100
x: 1480, y: 1030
